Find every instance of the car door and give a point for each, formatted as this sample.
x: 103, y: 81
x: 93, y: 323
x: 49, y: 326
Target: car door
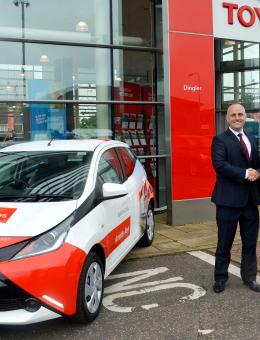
x: 117, y: 211
x: 135, y: 180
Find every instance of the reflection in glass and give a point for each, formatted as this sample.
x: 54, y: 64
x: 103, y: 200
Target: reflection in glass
x: 133, y: 73
x: 239, y: 50
x: 53, y: 72
x: 240, y: 62
x: 243, y: 87
x: 32, y: 176
x: 25, y: 122
x: 252, y: 125
x: 84, y: 21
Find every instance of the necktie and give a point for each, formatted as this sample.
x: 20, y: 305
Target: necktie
x: 244, y: 146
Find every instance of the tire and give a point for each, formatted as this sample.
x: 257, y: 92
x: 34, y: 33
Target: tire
x: 90, y: 289
x: 147, y: 238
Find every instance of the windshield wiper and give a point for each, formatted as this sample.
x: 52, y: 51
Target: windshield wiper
x: 15, y: 198
x: 36, y: 197
x: 39, y: 196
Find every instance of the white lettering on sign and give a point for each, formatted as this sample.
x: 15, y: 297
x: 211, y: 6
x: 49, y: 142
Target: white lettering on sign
x: 192, y: 88
x: 3, y: 215
x: 122, y: 234
x: 130, y: 287
x: 237, y: 19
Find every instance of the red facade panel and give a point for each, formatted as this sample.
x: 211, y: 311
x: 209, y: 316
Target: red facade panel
x: 191, y: 16
x: 192, y: 114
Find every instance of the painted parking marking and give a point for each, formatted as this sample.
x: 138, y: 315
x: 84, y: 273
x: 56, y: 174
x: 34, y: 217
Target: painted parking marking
x: 211, y: 260
x: 130, y: 287
x: 147, y: 307
x: 205, y: 331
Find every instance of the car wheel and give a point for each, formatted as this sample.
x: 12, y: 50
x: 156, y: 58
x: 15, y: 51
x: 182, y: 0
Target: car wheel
x: 148, y: 236
x: 90, y: 289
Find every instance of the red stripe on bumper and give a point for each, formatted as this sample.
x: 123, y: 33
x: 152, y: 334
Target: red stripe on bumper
x: 52, y: 277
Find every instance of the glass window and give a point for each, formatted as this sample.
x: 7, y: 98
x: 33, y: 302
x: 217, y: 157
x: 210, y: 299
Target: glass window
x: 136, y: 126
x: 35, y: 71
x: 109, y: 168
x: 239, y: 50
x: 239, y: 72
x: 160, y: 77
x: 133, y: 72
x: 25, y: 122
x: 128, y: 160
x: 84, y: 21
x: 242, y: 86
x: 238, y: 80
x: 158, y: 24
x: 43, y: 176
x: 133, y: 22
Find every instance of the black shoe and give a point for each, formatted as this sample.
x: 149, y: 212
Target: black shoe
x: 253, y: 285
x: 219, y: 286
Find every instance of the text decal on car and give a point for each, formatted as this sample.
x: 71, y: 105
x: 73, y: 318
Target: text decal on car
x: 116, y: 236
x: 6, y: 213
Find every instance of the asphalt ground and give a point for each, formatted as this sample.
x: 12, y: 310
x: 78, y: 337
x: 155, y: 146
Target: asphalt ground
x: 170, y: 240
x: 168, y: 297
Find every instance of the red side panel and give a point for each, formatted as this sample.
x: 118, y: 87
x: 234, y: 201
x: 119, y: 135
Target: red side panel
x: 50, y: 277
x: 116, y: 237
x: 191, y: 16
x: 192, y: 114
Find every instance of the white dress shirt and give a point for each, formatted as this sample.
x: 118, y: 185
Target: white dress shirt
x: 246, y: 140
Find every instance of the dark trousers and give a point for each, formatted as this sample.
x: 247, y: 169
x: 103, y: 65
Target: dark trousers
x: 227, y: 220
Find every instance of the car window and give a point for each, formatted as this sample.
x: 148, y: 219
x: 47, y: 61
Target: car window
x: 109, y: 168
x: 128, y: 160
x: 35, y: 174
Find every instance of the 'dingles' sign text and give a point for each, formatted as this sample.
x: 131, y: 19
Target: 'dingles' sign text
x: 246, y: 15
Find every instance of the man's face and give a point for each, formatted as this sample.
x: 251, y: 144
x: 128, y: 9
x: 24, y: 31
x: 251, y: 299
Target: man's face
x: 236, y: 117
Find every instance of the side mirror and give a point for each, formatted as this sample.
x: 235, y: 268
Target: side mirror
x: 113, y: 190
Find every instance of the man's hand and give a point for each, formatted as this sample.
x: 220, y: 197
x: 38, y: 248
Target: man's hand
x: 253, y: 175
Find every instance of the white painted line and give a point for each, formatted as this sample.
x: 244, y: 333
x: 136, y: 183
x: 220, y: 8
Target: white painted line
x: 147, y: 307
x: 205, y: 331
x: 108, y: 301
x: 211, y: 260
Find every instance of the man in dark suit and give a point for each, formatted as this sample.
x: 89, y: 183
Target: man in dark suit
x: 235, y: 159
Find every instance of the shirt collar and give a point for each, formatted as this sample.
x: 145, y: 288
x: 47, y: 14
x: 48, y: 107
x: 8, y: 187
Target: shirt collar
x: 236, y: 133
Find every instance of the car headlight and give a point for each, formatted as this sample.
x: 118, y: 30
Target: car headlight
x: 47, y: 242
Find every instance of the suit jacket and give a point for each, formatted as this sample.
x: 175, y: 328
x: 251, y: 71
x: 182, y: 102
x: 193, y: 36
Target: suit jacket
x: 230, y: 164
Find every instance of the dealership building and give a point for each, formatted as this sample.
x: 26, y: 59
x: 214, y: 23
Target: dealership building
x: 156, y: 74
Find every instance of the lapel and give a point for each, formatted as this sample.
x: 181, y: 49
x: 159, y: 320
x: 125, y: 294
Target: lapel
x: 231, y: 135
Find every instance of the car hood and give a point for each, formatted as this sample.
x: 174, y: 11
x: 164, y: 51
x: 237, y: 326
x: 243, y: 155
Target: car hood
x: 19, y: 221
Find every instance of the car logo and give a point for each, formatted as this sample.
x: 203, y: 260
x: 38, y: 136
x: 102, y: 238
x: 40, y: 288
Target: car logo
x: 6, y: 213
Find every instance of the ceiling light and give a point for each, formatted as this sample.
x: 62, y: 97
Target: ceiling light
x: 44, y: 58
x: 230, y: 43
x: 82, y: 26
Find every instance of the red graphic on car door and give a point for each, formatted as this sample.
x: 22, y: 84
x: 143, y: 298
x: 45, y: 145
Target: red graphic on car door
x: 6, y: 213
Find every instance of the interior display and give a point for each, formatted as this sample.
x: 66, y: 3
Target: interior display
x: 135, y: 124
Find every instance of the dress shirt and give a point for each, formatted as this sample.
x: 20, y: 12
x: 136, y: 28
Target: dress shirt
x: 246, y: 141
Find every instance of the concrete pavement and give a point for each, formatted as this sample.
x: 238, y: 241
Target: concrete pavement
x: 184, y: 238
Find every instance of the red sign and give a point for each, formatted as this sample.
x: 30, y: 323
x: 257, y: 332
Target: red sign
x: 6, y: 213
x: 246, y: 15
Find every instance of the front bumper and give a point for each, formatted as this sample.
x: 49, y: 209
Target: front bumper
x: 17, y: 307
x: 49, y: 280
x: 22, y: 317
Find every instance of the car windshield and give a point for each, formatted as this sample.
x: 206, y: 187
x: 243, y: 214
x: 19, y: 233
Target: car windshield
x: 31, y: 176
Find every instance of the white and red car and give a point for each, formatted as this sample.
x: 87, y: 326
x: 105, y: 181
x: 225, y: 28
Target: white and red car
x: 69, y: 213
